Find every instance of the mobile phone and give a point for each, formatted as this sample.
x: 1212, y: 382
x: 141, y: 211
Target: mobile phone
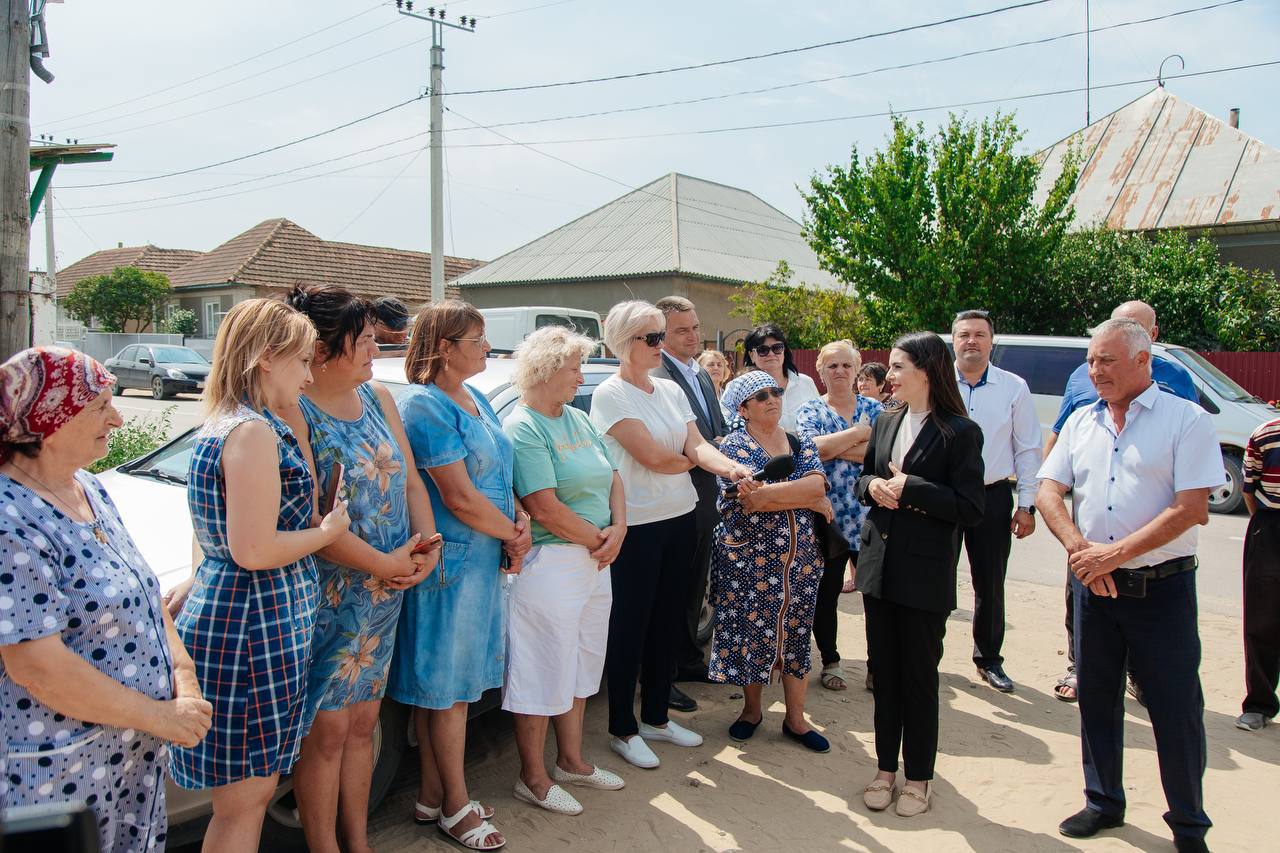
x: 425, y: 545
x: 330, y: 497
x: 1130, y: 584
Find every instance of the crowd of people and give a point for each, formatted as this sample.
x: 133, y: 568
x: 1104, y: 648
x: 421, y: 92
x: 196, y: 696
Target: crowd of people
x: 355, y: 547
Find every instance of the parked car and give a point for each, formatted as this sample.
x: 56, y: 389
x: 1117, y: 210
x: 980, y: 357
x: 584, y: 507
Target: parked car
x: 149, y: 493
x: 1046, y: 362
x: 507, y: 327
x: 163, y: 369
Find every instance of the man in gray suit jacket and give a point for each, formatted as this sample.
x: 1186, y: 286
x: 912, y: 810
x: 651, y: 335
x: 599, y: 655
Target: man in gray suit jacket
x: 683, y: 343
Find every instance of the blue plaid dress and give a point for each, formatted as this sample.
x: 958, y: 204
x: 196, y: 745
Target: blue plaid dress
x: 249, y: 633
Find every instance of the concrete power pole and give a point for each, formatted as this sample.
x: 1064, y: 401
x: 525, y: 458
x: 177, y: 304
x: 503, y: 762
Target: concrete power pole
x: 438, y: 23
x: 15, y: 167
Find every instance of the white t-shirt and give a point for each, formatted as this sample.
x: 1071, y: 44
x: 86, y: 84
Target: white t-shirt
x: 800, y: 390
x: 666, y: 414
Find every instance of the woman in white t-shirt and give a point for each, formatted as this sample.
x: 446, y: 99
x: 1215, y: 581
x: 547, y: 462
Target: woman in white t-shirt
x: 765, y: 348
x: 649, y: 429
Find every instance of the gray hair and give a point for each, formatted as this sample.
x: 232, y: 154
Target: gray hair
x: 1135, y: 336
x: 544, y: 352
x: 625, y: 321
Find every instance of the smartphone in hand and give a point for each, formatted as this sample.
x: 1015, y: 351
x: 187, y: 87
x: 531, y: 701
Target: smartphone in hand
x: 425, y: 545
x: 330, y: 497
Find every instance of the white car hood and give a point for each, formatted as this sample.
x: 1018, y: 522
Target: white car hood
x: 157, y: 518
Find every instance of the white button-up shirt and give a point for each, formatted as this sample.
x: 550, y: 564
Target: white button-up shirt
x: 690, y: 373
x: 1122, y: 479
x: 1001, y: 404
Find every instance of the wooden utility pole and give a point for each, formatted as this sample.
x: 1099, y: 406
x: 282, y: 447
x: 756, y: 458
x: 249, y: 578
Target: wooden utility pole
x: 15, y: 167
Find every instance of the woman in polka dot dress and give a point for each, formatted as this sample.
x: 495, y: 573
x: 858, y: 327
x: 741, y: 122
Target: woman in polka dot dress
x: 93, y: 679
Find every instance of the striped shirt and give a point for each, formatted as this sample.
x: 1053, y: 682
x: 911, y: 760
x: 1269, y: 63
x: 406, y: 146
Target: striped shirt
x: 1262, y: 465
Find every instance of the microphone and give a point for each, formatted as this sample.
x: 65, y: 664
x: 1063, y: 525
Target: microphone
x: 777, y: 468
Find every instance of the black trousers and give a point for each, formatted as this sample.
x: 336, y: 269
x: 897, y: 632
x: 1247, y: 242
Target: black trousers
x: 689, y: 654
x: 824, y: 612
x: 1262, y: 613
x: 648, y: 578
x: 904, y: 646
x: 987, y: 546
x: 1159, y: 637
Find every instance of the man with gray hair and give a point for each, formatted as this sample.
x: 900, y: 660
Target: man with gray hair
x: 1141, y: 463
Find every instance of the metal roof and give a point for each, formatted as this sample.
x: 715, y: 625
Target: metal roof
x: 674, y: 225
x: 1159, y: 162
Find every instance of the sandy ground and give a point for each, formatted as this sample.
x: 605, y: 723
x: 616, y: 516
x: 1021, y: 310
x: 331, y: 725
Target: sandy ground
x: 1008, y: 766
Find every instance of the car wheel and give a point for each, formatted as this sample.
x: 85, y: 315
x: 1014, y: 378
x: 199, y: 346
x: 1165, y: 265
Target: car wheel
x: 117, y: 390
x: 706, y: 620
x: 157, y: 388
x: 1226, y: 499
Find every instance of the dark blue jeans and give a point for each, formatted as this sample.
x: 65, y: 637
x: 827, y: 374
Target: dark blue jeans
x: 1160, y: 637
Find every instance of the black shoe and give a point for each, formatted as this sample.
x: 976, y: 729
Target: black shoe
x: 810, y: 739
x: 693, y: 673
x: 1187, y: 844
x: 1087, y: 823
x: 994, y: 675
x: 681, y: 701
x: 741, y: 730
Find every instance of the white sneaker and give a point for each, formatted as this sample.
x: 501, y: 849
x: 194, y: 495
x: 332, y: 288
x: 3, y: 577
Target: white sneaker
x: 635, y: 751
x: 671, y: 733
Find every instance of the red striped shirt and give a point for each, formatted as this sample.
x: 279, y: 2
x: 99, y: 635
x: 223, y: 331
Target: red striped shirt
x: 1262, y: 465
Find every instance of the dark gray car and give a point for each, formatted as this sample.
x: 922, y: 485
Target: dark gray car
x: 162, y: 369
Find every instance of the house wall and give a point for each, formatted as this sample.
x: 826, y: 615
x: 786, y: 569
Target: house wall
x: 1252, y: 251
x: 222, y: 298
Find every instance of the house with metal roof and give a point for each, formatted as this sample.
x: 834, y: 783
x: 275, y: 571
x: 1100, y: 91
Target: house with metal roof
x: 1158, y: 162
x: 677, y: 235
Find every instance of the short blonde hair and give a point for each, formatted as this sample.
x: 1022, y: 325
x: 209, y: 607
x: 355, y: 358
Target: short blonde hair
x: 436, y: 322
x: 252, y: 329
x: 544, y: 352
x: 829, y: 351
x: 709, y: 355
x: 626, y: 321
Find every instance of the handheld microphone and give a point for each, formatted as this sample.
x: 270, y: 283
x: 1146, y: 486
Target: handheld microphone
x: 777, y: 468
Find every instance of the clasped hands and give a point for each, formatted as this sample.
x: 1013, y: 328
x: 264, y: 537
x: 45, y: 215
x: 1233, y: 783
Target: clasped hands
x: 887, y: 493
x: 1092, y: 563
x: 519, y: 545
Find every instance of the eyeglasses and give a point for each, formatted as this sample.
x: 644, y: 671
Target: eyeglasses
x: 653, y: 339
x: 768, y: 349
x: 483, y: 341
x: 763, y: 396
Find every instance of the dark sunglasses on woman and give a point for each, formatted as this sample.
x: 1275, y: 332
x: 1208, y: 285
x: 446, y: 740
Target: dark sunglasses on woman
x: 763, y: 396
x: 653, y: 339
x: 766, y: 349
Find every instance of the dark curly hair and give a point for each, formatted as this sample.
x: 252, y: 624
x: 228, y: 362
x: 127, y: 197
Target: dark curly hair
x: 338, y: 314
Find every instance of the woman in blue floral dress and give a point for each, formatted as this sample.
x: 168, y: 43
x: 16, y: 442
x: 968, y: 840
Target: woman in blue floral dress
x: 765, y: 565
x: 249, y: 617
x: 839, y: 423
x: 346, y: 418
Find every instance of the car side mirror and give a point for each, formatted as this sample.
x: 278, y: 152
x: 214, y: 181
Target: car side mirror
x: 146, y: 361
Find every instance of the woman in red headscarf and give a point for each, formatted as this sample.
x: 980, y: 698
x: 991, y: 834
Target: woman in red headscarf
x: 94, y: 681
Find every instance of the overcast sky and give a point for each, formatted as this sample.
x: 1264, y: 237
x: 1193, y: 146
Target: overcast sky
x: 153, y: 78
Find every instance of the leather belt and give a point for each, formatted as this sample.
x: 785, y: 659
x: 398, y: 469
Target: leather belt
x: 1168, y: 568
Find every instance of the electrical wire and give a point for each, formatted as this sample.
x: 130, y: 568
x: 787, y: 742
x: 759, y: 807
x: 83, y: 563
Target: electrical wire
x: 59, y: 206
x: 525, y: 9
x: 389, y: 184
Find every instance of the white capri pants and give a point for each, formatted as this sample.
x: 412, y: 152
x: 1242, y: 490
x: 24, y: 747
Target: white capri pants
x: 557, y: 630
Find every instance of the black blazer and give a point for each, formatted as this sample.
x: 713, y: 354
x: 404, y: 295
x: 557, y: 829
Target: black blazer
x: 712, y: 427
x: 909, y: 555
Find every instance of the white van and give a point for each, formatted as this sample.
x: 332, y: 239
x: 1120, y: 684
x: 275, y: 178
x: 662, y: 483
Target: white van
x: 506, y: 327
x: 1046, y: 362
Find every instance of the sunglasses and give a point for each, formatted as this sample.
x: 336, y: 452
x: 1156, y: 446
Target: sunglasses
x: 768, y: 349
x: 652, y: 339
x: 763, y: 396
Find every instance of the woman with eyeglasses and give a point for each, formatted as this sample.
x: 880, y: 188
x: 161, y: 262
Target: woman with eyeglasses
x: 649, y: 428
x: 766, y: 349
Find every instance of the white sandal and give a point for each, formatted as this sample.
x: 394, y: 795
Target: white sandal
x: 424, y: 814
x: 557, y: 800
x: 472, y: 839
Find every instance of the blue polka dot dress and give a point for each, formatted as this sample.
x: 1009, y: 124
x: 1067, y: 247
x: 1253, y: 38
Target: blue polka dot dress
x: 88, y: 584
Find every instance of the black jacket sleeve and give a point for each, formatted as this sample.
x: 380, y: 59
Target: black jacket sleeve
x: 961, y: 499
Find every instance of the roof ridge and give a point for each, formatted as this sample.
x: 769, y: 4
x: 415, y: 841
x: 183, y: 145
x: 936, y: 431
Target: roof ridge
x: 280, y: 223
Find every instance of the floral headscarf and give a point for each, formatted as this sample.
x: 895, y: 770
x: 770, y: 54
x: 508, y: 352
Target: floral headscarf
x: 44, y: 387
x: 739, y: 390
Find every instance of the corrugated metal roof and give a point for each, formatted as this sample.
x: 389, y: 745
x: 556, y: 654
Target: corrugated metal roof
x: 1159, y: 162
x: 676, y: 224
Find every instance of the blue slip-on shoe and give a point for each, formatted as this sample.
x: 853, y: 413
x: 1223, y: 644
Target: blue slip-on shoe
x: 741, y: 731
x: 809, y: 740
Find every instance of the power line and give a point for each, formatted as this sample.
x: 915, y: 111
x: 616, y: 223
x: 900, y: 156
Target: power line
x: 769, y: 55
x: 389, y: 184
x: 525, y: 9
x: 208, y: 74
x: 76, y: 222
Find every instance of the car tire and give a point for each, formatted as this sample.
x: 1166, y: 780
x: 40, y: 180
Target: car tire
x: 117, y: 390
x: 1228, y: 497
x: 706, y: 620
x: 157, y: 388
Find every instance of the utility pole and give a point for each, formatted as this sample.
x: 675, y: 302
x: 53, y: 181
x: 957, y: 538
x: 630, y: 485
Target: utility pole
x: 15, y: 167
x: 438, y: 23
x: 50, y: 256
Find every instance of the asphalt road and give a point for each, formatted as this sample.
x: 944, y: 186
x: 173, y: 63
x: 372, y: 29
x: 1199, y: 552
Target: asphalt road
x: 187, y: 411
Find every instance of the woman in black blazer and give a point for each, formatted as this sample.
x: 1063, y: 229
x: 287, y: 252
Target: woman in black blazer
x: 922, y: 479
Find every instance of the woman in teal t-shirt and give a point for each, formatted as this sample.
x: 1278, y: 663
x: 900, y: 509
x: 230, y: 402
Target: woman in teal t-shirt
x: 559, y: 623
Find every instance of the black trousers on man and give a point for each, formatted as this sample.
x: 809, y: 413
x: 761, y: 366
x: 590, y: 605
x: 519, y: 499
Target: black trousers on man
x: 690, y: 655
x: 987, y: 545
x: 1262, y: 613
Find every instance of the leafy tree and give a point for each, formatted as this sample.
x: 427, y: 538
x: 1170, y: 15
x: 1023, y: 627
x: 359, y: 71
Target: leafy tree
x: 182, y: 322
x: 810, y: 316
x: 126, y: 294
x: 929, y: 226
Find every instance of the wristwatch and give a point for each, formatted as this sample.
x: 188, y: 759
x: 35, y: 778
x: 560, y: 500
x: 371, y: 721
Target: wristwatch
x: 1029, y: 510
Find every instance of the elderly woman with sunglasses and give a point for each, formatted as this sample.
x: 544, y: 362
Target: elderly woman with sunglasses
x: 766, y: 565
x: 766, y: 349
x: 649, y: 429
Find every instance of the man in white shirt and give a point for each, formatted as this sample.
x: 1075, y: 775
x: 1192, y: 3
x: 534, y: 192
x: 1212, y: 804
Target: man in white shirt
x: 1140, y: 463
x: 1000, y: 403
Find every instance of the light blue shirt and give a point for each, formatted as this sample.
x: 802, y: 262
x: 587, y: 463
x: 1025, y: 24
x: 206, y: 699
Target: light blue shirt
x: 1000, y: 403
x: 690, y: 373
x: 1122, y: 479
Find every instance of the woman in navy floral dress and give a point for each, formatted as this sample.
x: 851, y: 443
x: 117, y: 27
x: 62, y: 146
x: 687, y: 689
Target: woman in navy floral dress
x: 249, y: 617
x: 766, y: 565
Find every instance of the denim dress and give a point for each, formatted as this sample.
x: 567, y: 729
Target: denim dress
x: 449, y: 646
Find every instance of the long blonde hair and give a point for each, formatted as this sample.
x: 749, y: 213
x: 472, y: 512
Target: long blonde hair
x: 437, y: 322
x: 251, y: 330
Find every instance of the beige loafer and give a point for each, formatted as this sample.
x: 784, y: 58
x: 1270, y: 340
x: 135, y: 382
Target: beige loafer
x: 911, y: 802
x: 878, y: 796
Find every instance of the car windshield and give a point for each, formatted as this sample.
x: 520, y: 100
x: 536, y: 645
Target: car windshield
x: 1212, y: 376
x: 177, y: 355
x: 170, y: 462
x: 588, y: 326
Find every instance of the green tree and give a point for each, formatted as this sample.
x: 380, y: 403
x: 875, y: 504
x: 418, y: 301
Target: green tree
x: 810, y: 316
x: 932, y: 225
x: 182, y: 322
x: 114, y: 299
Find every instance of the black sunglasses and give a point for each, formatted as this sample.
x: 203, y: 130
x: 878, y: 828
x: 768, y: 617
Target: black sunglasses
x: 766, y: 349
x: 653, y: 339
x: 763, y: 396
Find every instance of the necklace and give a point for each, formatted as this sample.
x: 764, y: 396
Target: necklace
x: 67, y: 505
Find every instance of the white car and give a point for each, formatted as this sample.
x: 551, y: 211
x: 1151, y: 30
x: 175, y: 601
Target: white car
x: 150, y: 493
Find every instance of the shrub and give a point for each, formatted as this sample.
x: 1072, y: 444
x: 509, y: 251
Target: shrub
x: 137, y: 437
x: 182, y: 322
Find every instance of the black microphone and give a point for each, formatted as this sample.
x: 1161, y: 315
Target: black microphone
x: 777, y: 468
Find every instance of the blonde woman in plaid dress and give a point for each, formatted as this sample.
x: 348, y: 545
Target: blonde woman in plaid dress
x: 248, y: 619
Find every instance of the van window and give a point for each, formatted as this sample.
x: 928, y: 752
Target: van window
x: 1208, y: 373
x: 1046, y: 369
x: 582, y: 325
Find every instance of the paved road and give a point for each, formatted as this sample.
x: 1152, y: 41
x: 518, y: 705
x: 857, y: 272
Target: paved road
x: 138, y: 404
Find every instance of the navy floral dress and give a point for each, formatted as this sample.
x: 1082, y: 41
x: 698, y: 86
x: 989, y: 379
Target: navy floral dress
x: 88, y: 584
x: 765, y: 570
